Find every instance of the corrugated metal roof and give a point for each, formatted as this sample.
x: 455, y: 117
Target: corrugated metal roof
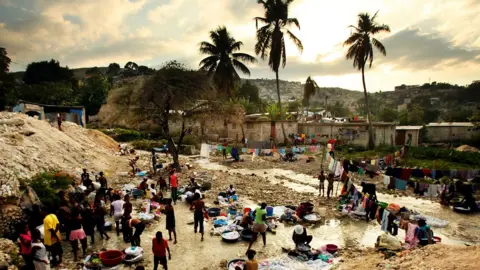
x: 409, y: 127
x: 451, y: 124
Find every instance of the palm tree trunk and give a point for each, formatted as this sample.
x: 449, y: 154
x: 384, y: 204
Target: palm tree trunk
x: 285, y: 140
x: 371, y: 142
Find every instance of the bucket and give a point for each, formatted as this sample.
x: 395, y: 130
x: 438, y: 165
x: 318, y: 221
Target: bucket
x: 269, y: 211
x: 234, y: 197
x: 247, y: 210
x: 233, y: 212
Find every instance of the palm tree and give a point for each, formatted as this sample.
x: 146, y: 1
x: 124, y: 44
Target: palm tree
x: 224, y: 59
x: 309, y: 90
x: 270, y: 38
x: 274, y: 114
x: 361, y: 45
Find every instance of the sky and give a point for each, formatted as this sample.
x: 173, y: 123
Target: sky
x: 431, y: 40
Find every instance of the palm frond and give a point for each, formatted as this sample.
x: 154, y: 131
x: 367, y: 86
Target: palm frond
x: 352, y: 39
x: 294, y: 21
x: 354, y: 27
x: 374, y: 16
x: 260, y: 19
x: 208, y: 48
x: 240, y: 66
x: 263, y: 41
x: 379, y: 29
x: 235, y: 46
x: 379, y: 46
x: 208, y: 61
x: 295, y: 40
x: 244, y: 57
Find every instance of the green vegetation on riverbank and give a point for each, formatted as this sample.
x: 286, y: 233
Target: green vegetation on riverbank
x: 422, y: 157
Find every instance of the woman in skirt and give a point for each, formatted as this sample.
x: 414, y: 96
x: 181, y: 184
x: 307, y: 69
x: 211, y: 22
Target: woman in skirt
x: 77, y: 234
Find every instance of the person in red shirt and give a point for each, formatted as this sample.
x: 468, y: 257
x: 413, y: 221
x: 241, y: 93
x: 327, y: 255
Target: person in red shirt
x: 159, y: 249
x: 173, y: 185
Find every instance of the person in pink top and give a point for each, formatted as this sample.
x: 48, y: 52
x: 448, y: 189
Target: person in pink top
x: 26, y: 246
x: 173, y: 185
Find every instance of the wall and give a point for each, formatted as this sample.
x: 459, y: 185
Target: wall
x: 445, y: 134
x: 415, y: 136
x: 261, y: 130
x: 354, y: 133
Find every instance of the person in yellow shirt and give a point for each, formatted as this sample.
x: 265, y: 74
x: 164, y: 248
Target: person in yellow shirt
x: 52, y: 236
x: 251, y: 264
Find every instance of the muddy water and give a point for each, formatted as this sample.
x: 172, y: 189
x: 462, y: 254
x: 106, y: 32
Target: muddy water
x: 462, y: 229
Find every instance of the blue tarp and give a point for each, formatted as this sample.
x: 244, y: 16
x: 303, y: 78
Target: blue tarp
x: 79, y: 112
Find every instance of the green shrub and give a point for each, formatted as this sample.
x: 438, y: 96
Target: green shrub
x: 147, y: 145
x: 47, y: 184
x: 451, y: 155
x: 191, y: 140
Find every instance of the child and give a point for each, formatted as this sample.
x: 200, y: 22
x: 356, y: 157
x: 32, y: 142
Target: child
x: 321, y: 187
x: 170, y: 220
x: 251, y: 264
x: 26, y: 246
x: 77, y: 234
x: 39, y: 252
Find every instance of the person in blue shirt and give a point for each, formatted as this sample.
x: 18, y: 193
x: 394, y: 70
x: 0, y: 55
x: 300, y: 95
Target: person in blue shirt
x: 423, y: 232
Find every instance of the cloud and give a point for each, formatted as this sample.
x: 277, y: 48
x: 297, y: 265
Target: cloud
x: 64, y: 26
x: 412, y: 49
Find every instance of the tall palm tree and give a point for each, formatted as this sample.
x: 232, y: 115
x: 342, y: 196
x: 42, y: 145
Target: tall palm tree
x: 309, y: 90
x: 224, y: 59
x: 270, y: 38
x: 361, y: 42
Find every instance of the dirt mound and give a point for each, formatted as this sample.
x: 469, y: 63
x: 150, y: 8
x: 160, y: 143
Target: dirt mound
x: 466, y: 148
x: 29, y: 146
x: 438, y: 257
x: 122, y: 104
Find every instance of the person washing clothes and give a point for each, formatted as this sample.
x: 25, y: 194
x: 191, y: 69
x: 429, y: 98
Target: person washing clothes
x: 300, y: 235
x: 423, y: 232
x: 231, y: 191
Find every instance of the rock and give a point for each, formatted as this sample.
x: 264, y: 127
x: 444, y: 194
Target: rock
x: 27, y: 132
x: 223, y: 263
x: 12, y: 122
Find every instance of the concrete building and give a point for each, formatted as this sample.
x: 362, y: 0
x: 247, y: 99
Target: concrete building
x: 74, y: 114
x: 407, y: 135
x: 451, y: 131
x: 350, y: 132
x: 261, y: 130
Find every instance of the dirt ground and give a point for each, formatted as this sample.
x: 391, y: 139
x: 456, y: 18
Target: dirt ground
x: 437, y: 257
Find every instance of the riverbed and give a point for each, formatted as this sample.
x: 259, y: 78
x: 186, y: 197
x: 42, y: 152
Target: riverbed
x: 191, y: 253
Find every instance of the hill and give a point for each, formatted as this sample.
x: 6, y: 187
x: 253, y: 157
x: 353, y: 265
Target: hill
x: 78, y: 73
x: 294, y: 90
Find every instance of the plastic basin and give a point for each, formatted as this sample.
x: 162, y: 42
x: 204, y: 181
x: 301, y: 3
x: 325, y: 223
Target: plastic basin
x: 246, y: 234
x: 331, y: 248
x: 111, y: 257
x: 230, y: 264
x: 230, y: 236
x: 214, y: 212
